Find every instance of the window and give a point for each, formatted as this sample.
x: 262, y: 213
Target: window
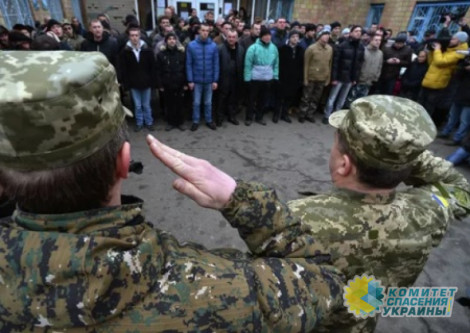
x: 16, y: 11
x: 55, y: 9
x: 281, y: 8
x: 427, y: 16
x: 375, y: 14
x: 77, y: 11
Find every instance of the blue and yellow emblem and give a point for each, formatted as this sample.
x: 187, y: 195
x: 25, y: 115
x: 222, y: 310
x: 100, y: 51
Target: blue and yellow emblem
x: 363, y: 296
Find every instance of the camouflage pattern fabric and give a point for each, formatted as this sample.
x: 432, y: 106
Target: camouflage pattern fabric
x: 107, y: 270
x: 386, y: 132
x: 68, y: 103
x: 388, y: 236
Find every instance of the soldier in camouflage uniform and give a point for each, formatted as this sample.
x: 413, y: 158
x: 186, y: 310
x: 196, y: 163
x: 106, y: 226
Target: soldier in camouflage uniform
x: 365, y: 222
x: 76, y: 256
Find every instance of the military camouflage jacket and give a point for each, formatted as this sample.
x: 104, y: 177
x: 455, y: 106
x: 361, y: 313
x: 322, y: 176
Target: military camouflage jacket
x: 107, y: 270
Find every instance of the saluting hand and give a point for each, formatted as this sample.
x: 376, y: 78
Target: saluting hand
x: 200, y: 180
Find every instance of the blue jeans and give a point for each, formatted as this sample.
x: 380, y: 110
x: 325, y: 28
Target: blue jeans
x: 143, y: 112
x: 202, y: 90
x: 337, y: 97
x: 458, y: 112
x: 458, y: 156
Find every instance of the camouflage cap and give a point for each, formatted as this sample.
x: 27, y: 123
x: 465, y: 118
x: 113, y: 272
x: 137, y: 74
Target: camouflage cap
x: 56, y: 107
x: 386, y: 132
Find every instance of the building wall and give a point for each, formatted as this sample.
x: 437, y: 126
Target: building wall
x: 396, y: 14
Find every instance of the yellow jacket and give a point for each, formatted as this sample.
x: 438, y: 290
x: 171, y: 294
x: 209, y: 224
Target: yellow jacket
x: 442, y: 66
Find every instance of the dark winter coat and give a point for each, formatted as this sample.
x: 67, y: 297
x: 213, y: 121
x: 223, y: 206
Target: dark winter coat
x: 392, y: 71
x: 414, y: 74
x: 226, y: 68
x: 347, y: 61
x: 246, y: 42
x: 291, y: 69
x: 279, y: 37
x: 137, y: 75
x: 171, y: 70
x: 202, y: 61
x: 462, y: 95
x: 107, y: 45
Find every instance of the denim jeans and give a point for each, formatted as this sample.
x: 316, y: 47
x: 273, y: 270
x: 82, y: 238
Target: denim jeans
x: 458, y: 156
x: 458, y: 112
x: 337, y: 97
x: 202, y: 91
x: 143, y: 111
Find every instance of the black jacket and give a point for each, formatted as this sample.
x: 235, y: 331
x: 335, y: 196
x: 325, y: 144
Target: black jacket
x: 347, y: 61
x: 392, y: 71
x: 137, y: 75
x: 291, y: 69
x: 226, y: 68
x: 462, y: 76
x: 107, y: 45
x: 171, y: 70
x: 414, y: 75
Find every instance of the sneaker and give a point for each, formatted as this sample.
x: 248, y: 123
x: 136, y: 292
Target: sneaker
x: 194, y: 127
x: 212, y: 126
x: 169, y: 127
x: 151, y: 128
x: 248, y: 122
x: 138, y: 128
x: 325, y: 121
x: 182, y: 128
x: 286, y: 119
x: 261, y: 122
x: 234, y: 121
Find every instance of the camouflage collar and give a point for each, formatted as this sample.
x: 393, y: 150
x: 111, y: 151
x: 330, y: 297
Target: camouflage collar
x: 366, y: 198
x: 129, y: 213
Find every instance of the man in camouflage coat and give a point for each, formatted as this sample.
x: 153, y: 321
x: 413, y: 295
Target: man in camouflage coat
x: 368, y: 226
x: 76, y: 256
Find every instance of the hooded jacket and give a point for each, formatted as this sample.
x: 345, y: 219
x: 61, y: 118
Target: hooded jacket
x: 261, y: 62
x: 171, y: 67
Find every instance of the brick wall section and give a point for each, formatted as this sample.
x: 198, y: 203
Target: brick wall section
x: 396, y: 14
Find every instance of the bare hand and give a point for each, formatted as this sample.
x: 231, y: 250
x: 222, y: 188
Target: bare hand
x: 391, y: 61
x: 201, y: 181
x: 185, y: 88
x: 161, y: 89
x: 334, y: 83
x: 214, y: 86
x: 191, y: 86
x: 436, y: 45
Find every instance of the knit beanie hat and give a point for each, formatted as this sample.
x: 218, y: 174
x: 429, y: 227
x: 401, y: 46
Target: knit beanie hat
x: 462, y: 36
x: 345, y: 31
x: 294, y: 32
x: 170, y: 34
x: 335, y: 24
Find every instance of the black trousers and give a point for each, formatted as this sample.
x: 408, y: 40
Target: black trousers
x: 174, y: 108
x: 227, y: 102
x: 259, y: 93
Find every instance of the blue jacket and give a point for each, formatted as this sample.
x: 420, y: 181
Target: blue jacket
x: 202, y: 61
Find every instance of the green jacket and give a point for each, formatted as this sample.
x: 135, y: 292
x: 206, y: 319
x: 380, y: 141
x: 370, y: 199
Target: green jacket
x: 108, y: 270
x: 264, y: 60
x: 388, y: 236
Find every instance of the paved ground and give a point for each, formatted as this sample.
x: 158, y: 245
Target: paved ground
x: 291, y: 158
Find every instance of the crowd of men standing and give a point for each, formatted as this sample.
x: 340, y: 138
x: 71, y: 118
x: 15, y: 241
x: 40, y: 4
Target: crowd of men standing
x: 228, y: 66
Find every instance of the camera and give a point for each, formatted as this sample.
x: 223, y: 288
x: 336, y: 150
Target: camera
x: 455, y: 17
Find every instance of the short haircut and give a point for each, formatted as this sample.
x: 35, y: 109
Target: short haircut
x: 163, y: 17
x: 73, y: 188
x: 95, y: 21
x: 372, y: 176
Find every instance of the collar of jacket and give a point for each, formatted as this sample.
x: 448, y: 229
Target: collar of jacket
x: 366, y: 198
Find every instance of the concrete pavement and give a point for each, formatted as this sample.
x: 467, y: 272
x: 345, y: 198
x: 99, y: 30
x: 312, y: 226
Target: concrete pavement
x: 291, y: 158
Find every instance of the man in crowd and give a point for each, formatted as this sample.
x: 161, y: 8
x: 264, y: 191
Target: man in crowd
x: 222, y: 37
x: 91, y: 260
x: 254, y: 34
x: 395, y: 57
x: 138, y: 74
x: 442, y: 63
x: 71, y: 37
x: 335, y: 33
x: 231, y: 56
x: 309, y: 37
x: 370, y: 70
x: 317, y: 72
x: 202, y: 71
x: 347, y: 62
x: 279, y: 33
x: 368, y: 225
x: 54, y: 30
x: 291, y: 67
x: 171, y: 81
x: 261, y: 69
x: 99, y: 40
x: 163, y: 21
